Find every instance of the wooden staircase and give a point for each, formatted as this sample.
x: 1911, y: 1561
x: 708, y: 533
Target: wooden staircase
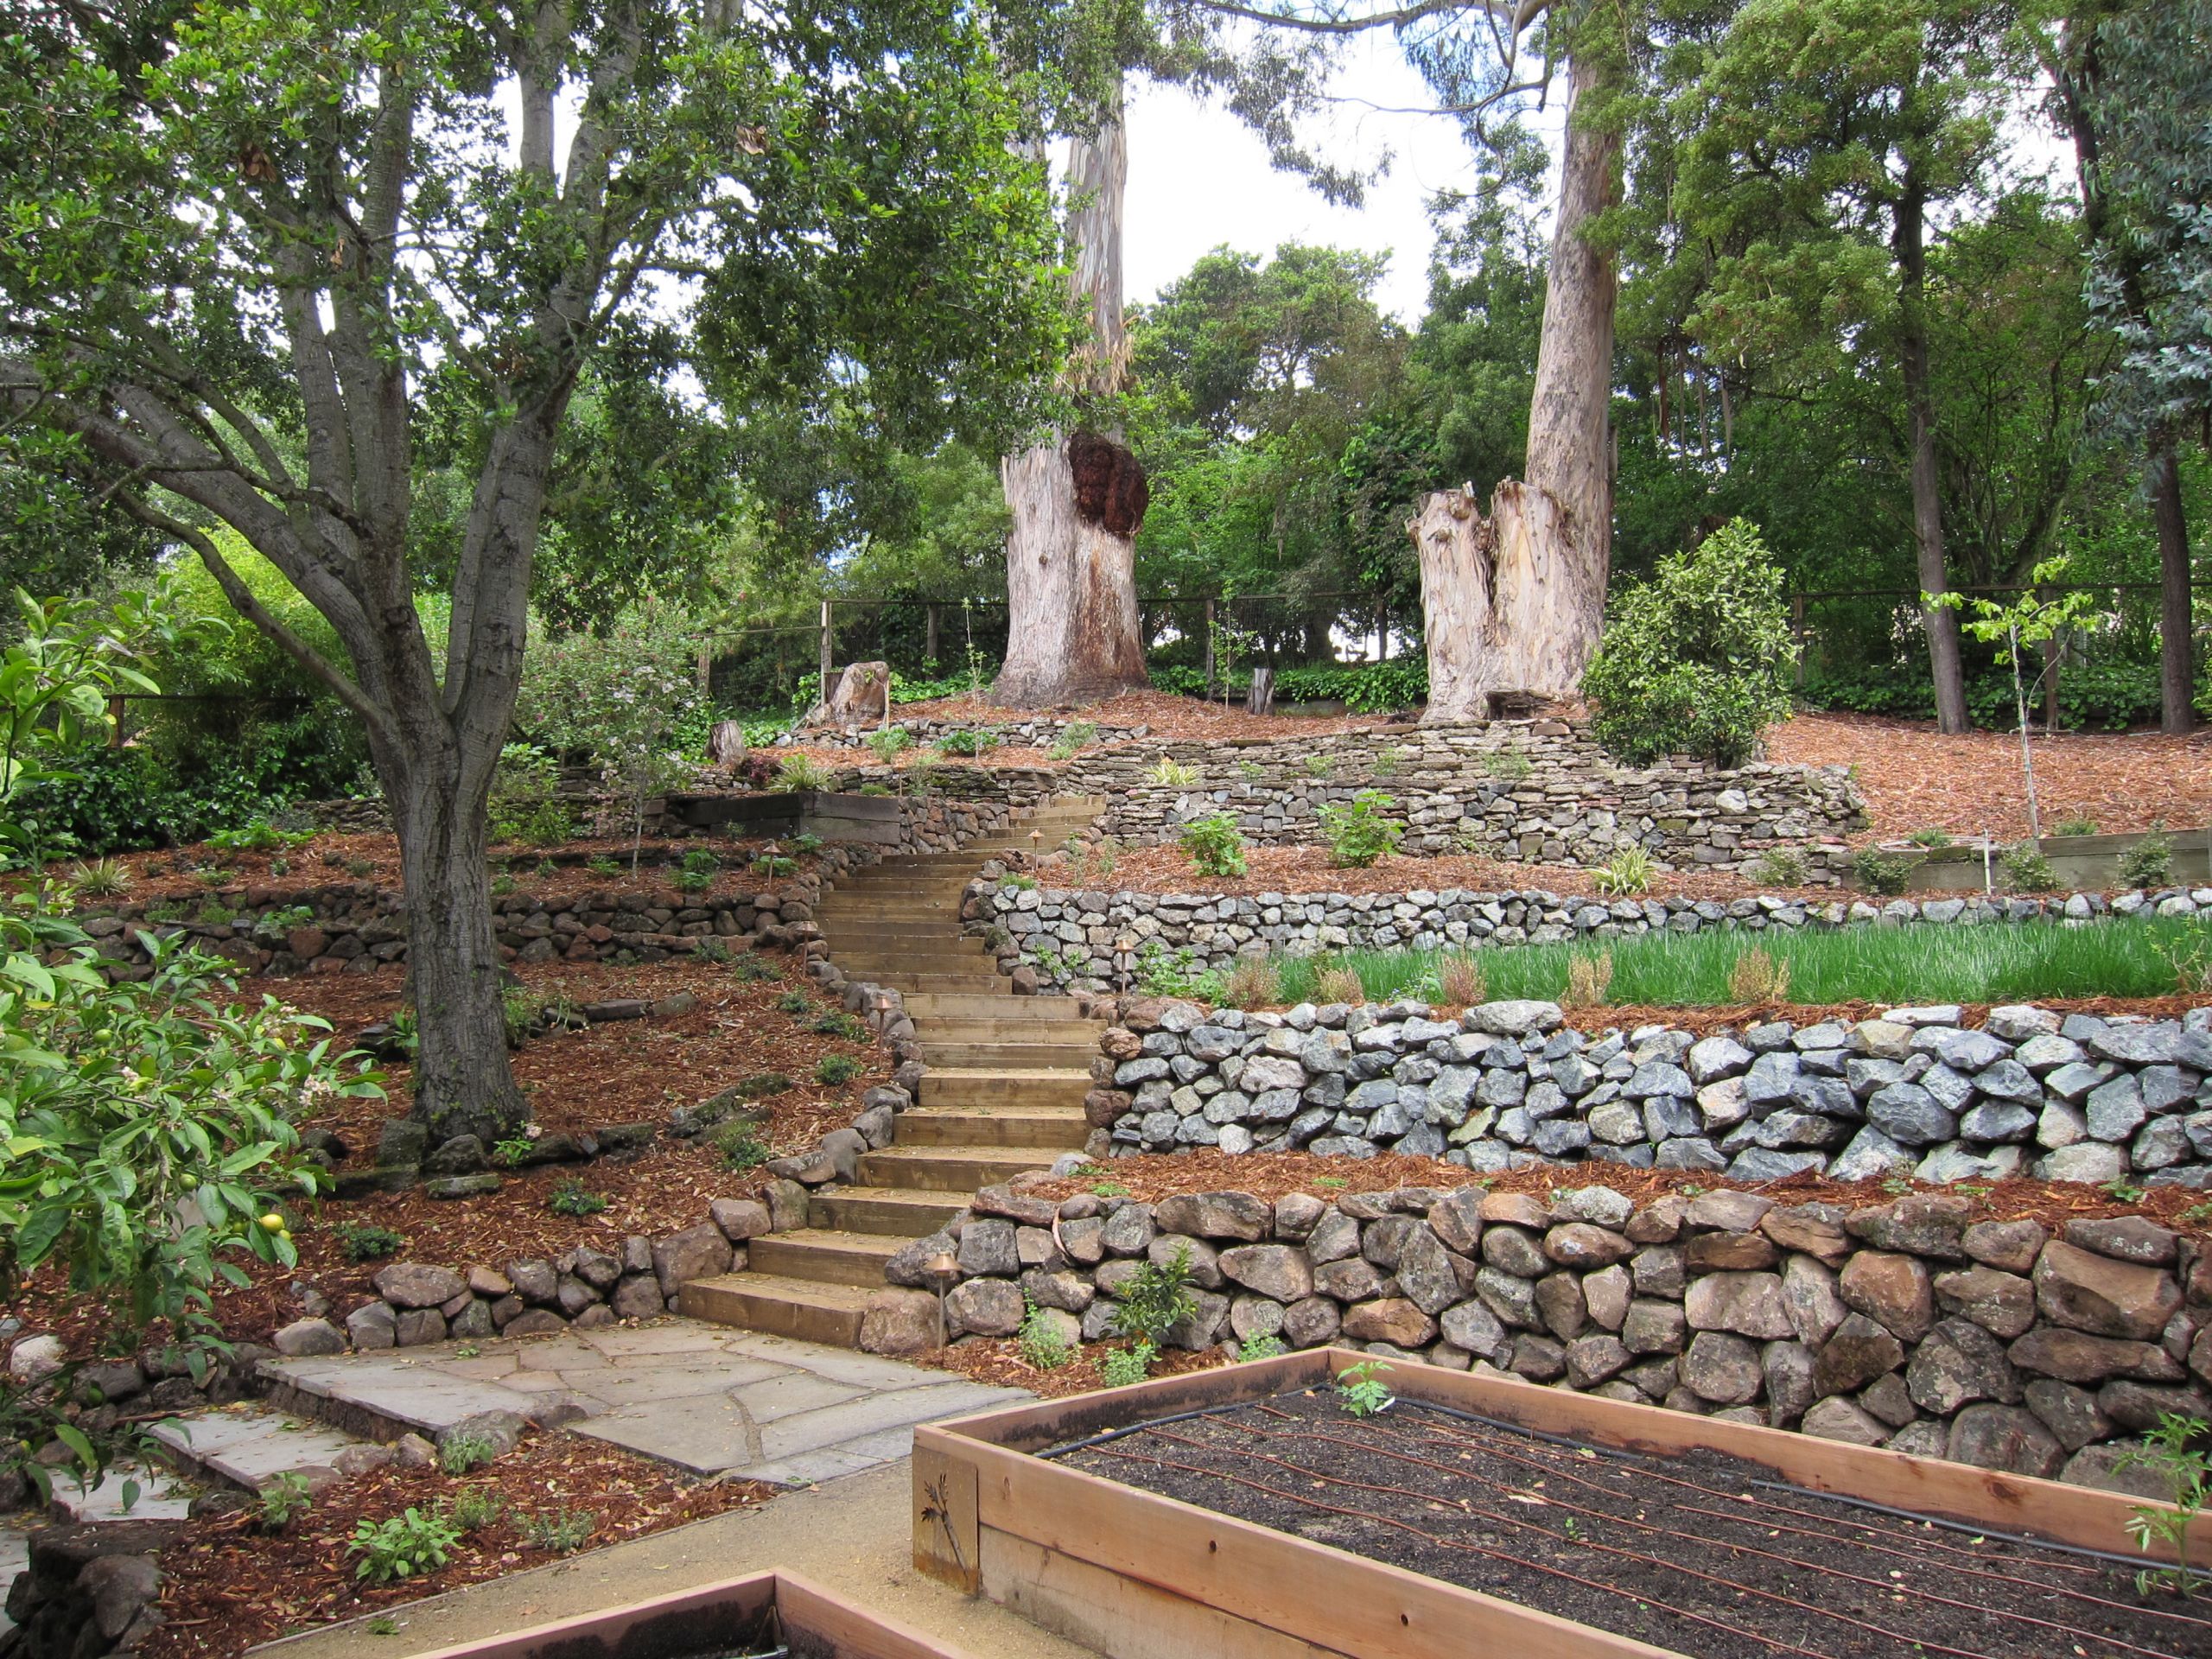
x: 1003, y: 1093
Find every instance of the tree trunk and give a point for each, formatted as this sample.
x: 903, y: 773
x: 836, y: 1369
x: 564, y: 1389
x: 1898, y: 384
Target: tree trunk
x: 1939, y: 622
x: 2176, y: 618
x: 1508, y: 604
x: 1517, y: 602
x: 1074, y: 633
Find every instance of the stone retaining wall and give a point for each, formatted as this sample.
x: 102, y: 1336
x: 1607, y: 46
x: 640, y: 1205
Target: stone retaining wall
x: 1539, y: 791
x: 1070, y: 938
x: 1913, y: 1325
x: 1915, y: 1092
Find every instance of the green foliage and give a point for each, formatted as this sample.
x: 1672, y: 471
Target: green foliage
x: 1509, y: 766
x: 698, y: 872
x: 404, y: 1546
x: 1156, y: 1300
x: 2071, y: 827
x: 101, y: 878
x: 1931, y: 838
x: 562, y: 1532
x: 2150, y: 860
x: 1361, y: 1390
x: 801, y: 774
x: 834, y: 1070
x: 1697, y: 660
x: 1041, y: 1343
x: 365, y: 1242
x: 1075, y: 737
x: 257, y: 835
x: 1167, y: 772
x: 1123, y: 1367
x: 2027, y: 870
x: 1259, y: 1348
x: 1163, y: 972
x: 1881, y: 872
x: 475, y: 1507
x: 1215, y: 844
x: 572, y: 1197
x: 885, y: 742
x: 1358, y: 832
x: 284, y: 1498
x: 741, y: 1147
x: 1318, y: 765
x: 795, y: 1001
x: 967, y: 743
x: 1629, y: 872
x: 525, y: 804
x: 1782, y: 867
x: 2176, y: 1452
x: 459, y: 1453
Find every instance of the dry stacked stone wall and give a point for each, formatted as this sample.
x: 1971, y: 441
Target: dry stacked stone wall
x: 1913, y: 1324
x: 1916, y: 1092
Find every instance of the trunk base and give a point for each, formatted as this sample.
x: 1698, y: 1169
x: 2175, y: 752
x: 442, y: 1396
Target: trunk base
x: 1072, y: 634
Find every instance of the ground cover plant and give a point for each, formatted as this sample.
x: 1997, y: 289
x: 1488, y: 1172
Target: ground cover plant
x: 1918, y: 964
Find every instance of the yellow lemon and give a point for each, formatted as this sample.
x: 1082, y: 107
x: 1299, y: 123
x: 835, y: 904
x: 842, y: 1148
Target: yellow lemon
x: 273, y: 1221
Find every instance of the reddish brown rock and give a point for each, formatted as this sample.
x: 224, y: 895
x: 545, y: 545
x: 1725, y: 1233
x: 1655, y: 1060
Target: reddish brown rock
x: 1891, y: 1289
x: 1393, y: 1319
x: 2107, y: 1298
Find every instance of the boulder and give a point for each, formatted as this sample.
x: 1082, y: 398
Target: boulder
x: 303, y: 1338
x: 1858, y: 1352
x: 1749, y: 1304
x: 414, y: 1284
x: 1277, y: 1271
x: 699, y: 1252
x: 2003, y: 1437
x: 900, y: 1322
x: 1891, y: 1289
x: 1722, y: 1369
x: 2088, y: 1292
x: 986, y: 1307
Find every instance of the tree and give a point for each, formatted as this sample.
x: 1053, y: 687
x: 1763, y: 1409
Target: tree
x: 1819, y: 138
x: 2136, y: 93
x: 243, y: 237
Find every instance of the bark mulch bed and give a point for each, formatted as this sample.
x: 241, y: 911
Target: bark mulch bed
x: 1697, y: 1552
x: 228, y: 1586
x: 1914, y: 778
x: 1167, y: 715
x: 998, y: 1361
x: 624, y: 1071
x: 1270, y: 1175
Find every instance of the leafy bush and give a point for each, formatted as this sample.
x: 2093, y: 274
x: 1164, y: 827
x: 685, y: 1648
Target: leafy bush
x: 564, y: 1532
x: 2027, y: 870
x: 462, y: 1452
x: 365, y: 1243
x: 1357, y: 831
x: 1162, y: 972
x: 406, y: 1546
x: 1124, y: 1366
x: 2150, y: 860
x: 1075, y: 737
x: 968, y: 743
x: 741, y: 1147
x: 257, y: 835
x: 1783, y: 867
x: 1258, y: 1348
x: 285, y: 1497
x: 1157, y: 1299
x: 1215, y: 844
x: 850, y: 1026
x: 1042, y: 1346
x: 834, y: 1070
x: 885, y: 742
x: 2092, y: 697
x: 1878, y: 872
x: 572, y: 1197
x: 1698, y: 659
x: 475, y: 1507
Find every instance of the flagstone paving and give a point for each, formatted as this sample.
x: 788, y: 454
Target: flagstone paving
x: 708, y: 1398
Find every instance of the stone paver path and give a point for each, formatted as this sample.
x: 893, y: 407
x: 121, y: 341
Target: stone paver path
x: 247, y: 1444
x: 705, y: 1397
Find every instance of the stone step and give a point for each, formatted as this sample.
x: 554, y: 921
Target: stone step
x: 997, y: 1053
x: 248, y: 1446
x: 1056, y: 1129
x: 1033, y: 1086
x: 1003, y: 1006
x: 953, y: 1169
x: 802, y: 1308
x: 824, y: 1255
x: 903, y: 1213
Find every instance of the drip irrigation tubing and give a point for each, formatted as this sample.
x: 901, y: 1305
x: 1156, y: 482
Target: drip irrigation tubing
x: 2132, y: 1563
x: 1138, y: 1428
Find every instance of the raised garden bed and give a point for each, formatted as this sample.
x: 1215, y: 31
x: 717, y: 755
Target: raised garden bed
x: 1245, y: 1511
x: 757, y: 1617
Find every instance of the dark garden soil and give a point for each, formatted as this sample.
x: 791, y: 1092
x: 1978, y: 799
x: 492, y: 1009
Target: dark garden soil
x: 227, y: 1584
x: 1696, y: 1552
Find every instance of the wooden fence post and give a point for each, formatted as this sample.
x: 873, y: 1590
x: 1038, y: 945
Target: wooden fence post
x: 1209, y: 659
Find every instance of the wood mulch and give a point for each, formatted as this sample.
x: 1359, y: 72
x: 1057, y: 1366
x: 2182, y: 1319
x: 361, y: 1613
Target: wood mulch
x: 1916, y: 778
x: 998, y: 1361
x: 1167, y: 715
x: 227, y: 1585
x: 1168, y: 869
x: 622, y: 1071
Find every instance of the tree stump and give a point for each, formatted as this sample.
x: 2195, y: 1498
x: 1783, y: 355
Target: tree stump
x: 862, y: 694
x: 725, y: 743
x: 1261, y: 699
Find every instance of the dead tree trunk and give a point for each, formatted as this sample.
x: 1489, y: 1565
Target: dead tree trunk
x: 1074, y: 634
x: 2177, y: 619
x: 1515, y: 602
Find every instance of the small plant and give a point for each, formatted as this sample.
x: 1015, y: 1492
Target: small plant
x: 1215, y: 844
x: 502, y: 884
x: 1459, y: 981
x: 1508, y: 766
x: 564, y: 1532
x: 795, y: 1001
x: 514, y: 1151
x: 1157, y: 1299
x: 967, y: 744
x: 408, y: 1545
x: 1250, y: 982
x: 799, y: 774
x: 708, y: 948
x: 1169, y: 773
x: 806, y: 844
x: 750, y: 969
x: 850, y: 1026
x: 1251, y: 771
x: 1358, y: 832
x: 1881, y: 872
x: 1784, y: 867
x: 1629, y: 872
x: 600, y: 864
x: 1162, y: 972
x: 475, y: 1507
x: 462, y: 1452
x: 1931, y: 838
x: 1075, y: 737
x: 740, y: 1149
x: 834, y: 1070
x: 104, y: 878
x: 1269, y: 1347
x: 700, y: 868
x: 887, y: 743
x: 2150, y: 860
x: 1757, y: 978
x: 2173, y: 1452
x: 363, y: 1242
x: 360, y: 868
x: 257, y: 835
x: 1042, y: 1346
x: 1360, y: 1389
x: 211, y: 913
x: 775, y: 864
x: 2074, y: 827
x: 382, y: 1625
x: 2027, y: 870
x: 523, y: 1011
x: 1338, y: 985
x: 2198, y: 1214
x: 572, y: 1197
x: 1318, y: 765
x: 1386, y: 764
x: 285, y: 1498
x: 1123, y: 1366
x: 1589, y: 980
x: 280, y: 865
x: 2121, y: 1190
x: 1116, y: 1190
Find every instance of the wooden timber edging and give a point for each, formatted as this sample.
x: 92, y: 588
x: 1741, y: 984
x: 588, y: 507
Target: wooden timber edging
x: 700, y: 1621
x: 1141, y: 1576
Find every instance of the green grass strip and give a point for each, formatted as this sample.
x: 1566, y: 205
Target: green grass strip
x: 1941, y: 962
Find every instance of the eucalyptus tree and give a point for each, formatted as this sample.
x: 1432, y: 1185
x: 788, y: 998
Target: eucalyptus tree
x: 242, y: 237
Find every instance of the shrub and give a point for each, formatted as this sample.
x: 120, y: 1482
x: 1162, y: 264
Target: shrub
x: 572, y: 1197
x: 967, y: 743
x: 284, y: 1498
x: 103, y: 878
x: 1756, y: 977
x: 1075, y: 737
x: 257, y: 835
x: 363, y: 1242
x: 700, y: 868
x: 406, y: 1546
x: 1162, y: 972
x: 462, y: 1452
x: 1589, y: 980
x: 1931, y: 838
x: 799, y: 774
x: 885, y: 742
x: 834, y: 1070
x: 1124, y: 1366
x: 2150, y: 860
x: 1881, y: 872
x: 1630, y: 871
x: 1318, y: 765
x: 1250, y: 982
x: 1215, y: 844
x: 1784, y: 867
x: 475, y: 1507
x: 1042, y: 1345
x: 1157, y: 1299
x: 795, y: 1001
x: 1169, y: 773
x: 2027, y: 870
x: 740, y: 1149
x: 1698, y: 659
x: 1358, y: 832
x: 1268, y: 1347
